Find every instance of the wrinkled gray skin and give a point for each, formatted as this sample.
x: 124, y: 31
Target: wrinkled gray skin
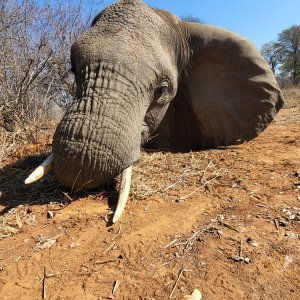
x: 130, y: 65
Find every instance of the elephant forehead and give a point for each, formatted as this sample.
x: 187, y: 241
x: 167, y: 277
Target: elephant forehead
x: 132, y: 17
x: 124, y: 33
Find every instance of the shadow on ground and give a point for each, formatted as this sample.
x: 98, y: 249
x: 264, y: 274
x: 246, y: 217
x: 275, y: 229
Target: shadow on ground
x: 14, y: 192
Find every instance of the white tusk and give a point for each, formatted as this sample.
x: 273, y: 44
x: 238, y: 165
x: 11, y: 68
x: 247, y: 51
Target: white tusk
x: 41, y: 170
x: 124, y: 192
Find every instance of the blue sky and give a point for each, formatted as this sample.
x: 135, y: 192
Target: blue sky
x: 258, y: 20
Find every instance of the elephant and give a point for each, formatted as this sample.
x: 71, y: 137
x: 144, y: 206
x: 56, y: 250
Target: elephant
x: 145, y: 77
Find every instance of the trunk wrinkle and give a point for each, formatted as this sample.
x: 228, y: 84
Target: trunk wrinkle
x: 101, y: 133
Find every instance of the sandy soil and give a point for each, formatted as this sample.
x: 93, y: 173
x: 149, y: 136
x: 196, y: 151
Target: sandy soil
x: 237, y: 238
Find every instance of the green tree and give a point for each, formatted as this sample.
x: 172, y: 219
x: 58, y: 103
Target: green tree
x: 289, y: 41
x: 283, y: 55
x: 272, y: 53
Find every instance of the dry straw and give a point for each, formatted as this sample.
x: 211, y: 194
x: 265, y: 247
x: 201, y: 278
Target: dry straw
x: 163, y: 175
x: 168, y: 175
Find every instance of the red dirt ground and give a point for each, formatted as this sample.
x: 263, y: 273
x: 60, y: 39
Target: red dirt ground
x: 239, y: 239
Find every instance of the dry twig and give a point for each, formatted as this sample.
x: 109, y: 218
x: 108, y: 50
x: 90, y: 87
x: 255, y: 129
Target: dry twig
x: 176, y: 282
x: 109, y: 248
x: 44, y: 296
x: 241, y: 248
x: 115, y: 287
x: 118, y: 234
x: 228, y: 226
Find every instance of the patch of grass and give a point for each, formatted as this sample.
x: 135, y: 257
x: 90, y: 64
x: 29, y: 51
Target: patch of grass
x: 19, y: 143
x: 165, y: 174
x: 11, y: 142
x: 291, y: 96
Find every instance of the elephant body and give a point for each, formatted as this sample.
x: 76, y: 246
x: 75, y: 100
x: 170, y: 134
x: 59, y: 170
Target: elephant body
x: 144, y: 76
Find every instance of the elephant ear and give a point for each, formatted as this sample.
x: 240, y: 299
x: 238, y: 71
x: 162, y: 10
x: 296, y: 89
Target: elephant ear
x: 229, y: 94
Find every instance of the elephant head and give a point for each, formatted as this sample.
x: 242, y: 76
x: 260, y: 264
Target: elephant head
x: 142, y: 72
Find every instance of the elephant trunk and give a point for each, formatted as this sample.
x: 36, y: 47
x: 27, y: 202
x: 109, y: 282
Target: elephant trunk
x: 100, y: 135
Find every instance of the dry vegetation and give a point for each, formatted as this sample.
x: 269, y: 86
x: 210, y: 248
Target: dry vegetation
x: 226, y: 222
x: 292, y: 96
x: 35, y: 78
x: 155, y: 175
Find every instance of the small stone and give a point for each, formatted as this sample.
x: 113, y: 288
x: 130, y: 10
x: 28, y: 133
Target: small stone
x: 296, y: 173
x: 247, y: 260
x: 288, y: 261
x: 50, y: 214
x: 290, y: 235
x: 18, y: 258
x: 252, y: 242
x: 73, y: 245
x: 196, y: 295
x: 237, y: 258
x: 283, y: 223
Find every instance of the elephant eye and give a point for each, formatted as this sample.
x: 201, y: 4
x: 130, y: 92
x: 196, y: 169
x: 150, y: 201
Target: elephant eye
x: 164, y: 87
x: 162, y: 93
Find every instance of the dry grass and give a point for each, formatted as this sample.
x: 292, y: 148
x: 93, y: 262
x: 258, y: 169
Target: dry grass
x: 18, y: 159
x: 292, y: 96
x: 17, y: 199
x: 11, y: 142
x: 165, y: 174
x: 12, y: 222
x: 23, y: 141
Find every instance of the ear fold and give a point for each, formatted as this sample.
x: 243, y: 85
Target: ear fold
x: 230, y: 93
